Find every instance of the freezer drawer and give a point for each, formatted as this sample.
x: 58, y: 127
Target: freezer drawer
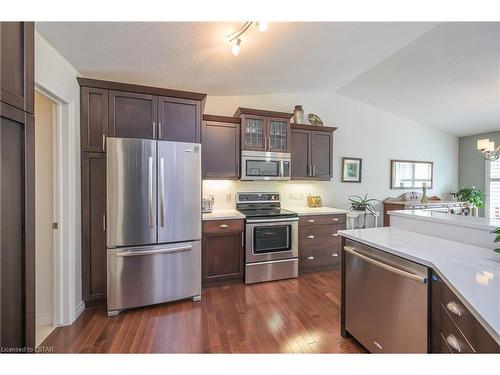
x: 153, y: 274
x: 386, y: 301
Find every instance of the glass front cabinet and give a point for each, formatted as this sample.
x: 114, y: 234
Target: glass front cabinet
x: 264, y: 130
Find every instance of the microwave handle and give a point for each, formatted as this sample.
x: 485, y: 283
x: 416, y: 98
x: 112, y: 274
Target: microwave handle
x: 282, y: 168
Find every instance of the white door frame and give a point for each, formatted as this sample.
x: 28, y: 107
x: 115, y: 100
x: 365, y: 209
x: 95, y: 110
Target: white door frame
x: 65, y: 212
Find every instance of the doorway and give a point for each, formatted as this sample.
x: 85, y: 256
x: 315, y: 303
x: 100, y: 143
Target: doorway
x: 45, y: 215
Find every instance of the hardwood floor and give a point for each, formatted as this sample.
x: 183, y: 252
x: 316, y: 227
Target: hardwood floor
x: 289, y: 316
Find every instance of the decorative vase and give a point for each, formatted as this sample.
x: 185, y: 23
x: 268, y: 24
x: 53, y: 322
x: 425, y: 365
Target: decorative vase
x: 314, y: 119
x: 298, y: 115
x: 425, y: 199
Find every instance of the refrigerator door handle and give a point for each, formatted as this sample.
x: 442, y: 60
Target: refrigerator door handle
x: 153, y: 252
x: 150, y: 190
x: 162, y: 192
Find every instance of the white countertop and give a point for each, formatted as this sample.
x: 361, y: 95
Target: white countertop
x: 303, y: 211
x: 456, y: 220
x: 472, y: 272
x: 223, y: 215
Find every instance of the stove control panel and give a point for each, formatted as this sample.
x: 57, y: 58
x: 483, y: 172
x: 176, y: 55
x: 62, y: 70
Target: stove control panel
x: 252, y: 197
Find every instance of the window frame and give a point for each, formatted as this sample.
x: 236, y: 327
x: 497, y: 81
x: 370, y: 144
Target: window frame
x: 488, y: 180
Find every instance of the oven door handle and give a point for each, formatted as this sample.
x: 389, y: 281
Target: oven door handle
x: 289, y: 219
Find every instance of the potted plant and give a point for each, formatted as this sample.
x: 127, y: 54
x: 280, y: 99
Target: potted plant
x: 472, y: 196
x: 363, y: 204
x: 497, y: 238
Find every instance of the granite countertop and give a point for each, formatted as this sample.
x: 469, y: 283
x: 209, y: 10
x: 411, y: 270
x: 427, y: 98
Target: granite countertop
x: 472, y: 272
x: 223, y: 215
x: 445, y: 218
x: 304, y: 211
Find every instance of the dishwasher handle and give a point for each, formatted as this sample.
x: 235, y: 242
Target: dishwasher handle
x: 385, y: 266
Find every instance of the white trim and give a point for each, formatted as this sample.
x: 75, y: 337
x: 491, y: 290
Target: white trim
x: 487, y: 208
x: 64, y: 265
x: 44, y: 319
x: 79, y: 309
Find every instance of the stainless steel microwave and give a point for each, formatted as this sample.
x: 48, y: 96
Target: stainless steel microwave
x: 267, y: 166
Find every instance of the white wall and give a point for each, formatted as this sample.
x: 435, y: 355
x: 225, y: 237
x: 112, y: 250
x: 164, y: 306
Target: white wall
x: 363, y: 131
x: 57, y: 78
x: 44, y: 205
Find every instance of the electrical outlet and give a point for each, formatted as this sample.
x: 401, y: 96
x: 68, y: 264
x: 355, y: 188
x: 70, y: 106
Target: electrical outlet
x: 294, y: 196
x: 229, y: 197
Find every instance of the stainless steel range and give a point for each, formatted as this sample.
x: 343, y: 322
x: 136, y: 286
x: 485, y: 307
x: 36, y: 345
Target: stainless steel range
x: 271, y: 233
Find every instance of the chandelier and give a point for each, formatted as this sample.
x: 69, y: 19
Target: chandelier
x: 488, y: 149
x: 235, y: 37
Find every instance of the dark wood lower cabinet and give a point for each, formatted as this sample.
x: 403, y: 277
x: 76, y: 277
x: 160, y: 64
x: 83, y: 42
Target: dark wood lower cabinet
x: 319, y: 242
x: 453, y: 327
x: 17, y: 229
x: 93, y: 227
x: 223, y: 252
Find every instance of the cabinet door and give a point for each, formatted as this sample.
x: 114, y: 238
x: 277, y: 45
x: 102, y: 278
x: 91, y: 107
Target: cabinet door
x: 321, y: 155
x: 93, y: 226
x: 132, y: 115
x: 300, y: 153
x: 17, y: 65
x: 94, y: 107
x: 279, y: 134
x: 222, y: 257
x: 254, y: 135
x: 179, y: 120
x: 221, y: 150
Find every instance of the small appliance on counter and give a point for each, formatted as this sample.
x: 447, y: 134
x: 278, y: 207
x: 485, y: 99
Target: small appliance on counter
x: 208, y: 205
x: 271, y: 237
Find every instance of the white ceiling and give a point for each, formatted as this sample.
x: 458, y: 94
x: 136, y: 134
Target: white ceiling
x: 444, y: 75
x: 449, y: 78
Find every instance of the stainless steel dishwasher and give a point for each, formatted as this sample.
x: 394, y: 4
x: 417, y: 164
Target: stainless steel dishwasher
x: 386, y: 300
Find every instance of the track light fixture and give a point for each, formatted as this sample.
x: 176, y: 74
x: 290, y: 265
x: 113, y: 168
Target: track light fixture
x: 235, y: 37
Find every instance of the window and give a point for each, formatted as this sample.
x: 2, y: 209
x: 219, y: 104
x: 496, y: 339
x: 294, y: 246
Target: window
x: 493, y: 189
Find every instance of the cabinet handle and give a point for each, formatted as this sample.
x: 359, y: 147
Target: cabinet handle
x: 335, y: 219
x: 154, y: 130
x: 335, y: 234
x: 159, y: 130
x: 453, y: 308
x: 223, y: 226
x: 310, y: 221
x: 310, y: 258
x: 335, y: 255
x: 104, y: 222
x: 314, y: 170
x: 242, y: 241
x: 269, y: 143
x: 310, y: 236
x: 453, y: 342
x: 309, y: 170
x: 104, y: 142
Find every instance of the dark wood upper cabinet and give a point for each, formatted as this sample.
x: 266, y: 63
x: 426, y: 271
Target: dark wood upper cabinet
x: 300, y: 153
x: 132, y: 115
x: 93, y: 227
x: 312, y: 152
x: 263, y: 130
x: 94, y: 118
x: 221, y: 147
x: 17, y: 65
x: 179, y: 120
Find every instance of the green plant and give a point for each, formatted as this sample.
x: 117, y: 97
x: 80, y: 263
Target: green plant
x: 362, y: 204
x: 471, y: 195
x: 497, y: 238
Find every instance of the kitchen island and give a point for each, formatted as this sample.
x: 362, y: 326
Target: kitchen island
x: 472, y: 273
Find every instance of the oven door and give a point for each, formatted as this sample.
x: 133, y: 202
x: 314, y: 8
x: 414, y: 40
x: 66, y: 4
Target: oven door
x: 271, y: 239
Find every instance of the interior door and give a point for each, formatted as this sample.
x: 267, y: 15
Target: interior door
x: 131, y: 192
x: 179, y: 191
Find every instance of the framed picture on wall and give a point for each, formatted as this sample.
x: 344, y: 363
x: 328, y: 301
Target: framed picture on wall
x: 351, y: 169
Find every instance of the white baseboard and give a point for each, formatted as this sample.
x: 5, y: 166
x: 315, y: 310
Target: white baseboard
x: 44, y: 319
x: 79, y: 309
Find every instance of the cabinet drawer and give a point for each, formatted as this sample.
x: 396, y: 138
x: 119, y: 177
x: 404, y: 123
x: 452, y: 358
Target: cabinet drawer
x: 452, y: 335
x: 321, y: 219
x: 212, y: 226
x: 313, y: 236
x: 319, y: 257
x: 473, y: 331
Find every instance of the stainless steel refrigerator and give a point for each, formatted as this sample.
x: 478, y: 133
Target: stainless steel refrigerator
x: 153, y: 222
